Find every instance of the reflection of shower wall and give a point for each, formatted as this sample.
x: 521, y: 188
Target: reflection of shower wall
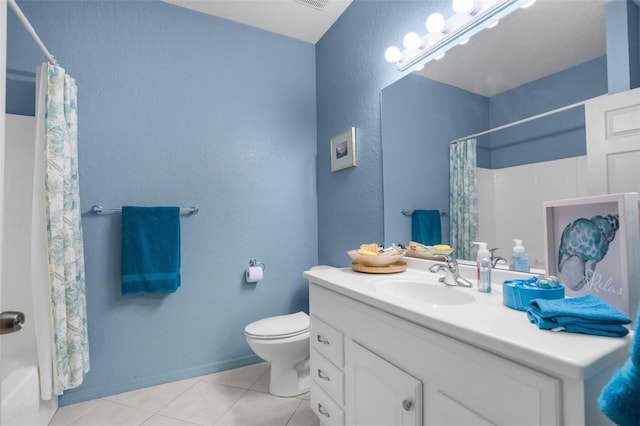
x: 513, y: 196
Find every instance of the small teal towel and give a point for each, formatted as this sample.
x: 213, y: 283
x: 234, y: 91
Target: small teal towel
x: 586, y: 314
x: 425, y: 227
x: 620, y: 398
x: 150, y: 250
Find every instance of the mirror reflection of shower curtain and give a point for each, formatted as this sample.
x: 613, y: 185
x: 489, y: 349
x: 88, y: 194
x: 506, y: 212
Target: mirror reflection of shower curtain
x: 463, y: 198
x: 57, y: 250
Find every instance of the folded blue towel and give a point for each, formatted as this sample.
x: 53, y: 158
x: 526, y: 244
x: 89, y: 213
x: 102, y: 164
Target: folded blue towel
x: 586, y: 314
x: 150, y: 250
x: 425, y: 227
x: 620, y: 398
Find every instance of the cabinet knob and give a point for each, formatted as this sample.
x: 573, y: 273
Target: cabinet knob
x: 406, y: 405
x: 323, y: 376
x: 322, y: 339
x: 322, y: 411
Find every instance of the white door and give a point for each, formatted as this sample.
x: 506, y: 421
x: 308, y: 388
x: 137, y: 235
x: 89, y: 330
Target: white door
x: 3, y: 70
x: 613, y: 143
x: 378, y: 392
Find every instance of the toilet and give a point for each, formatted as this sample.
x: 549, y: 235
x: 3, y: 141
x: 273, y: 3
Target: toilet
x: 283, y: 341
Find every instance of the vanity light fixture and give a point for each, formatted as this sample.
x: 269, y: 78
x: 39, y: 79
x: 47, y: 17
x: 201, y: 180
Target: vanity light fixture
x: 436, y: 23
x: 470, y: 17
x: 464, y: 6
x: 412, y: 41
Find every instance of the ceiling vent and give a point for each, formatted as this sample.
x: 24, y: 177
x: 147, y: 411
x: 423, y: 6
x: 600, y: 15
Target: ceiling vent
x: 316, y: 4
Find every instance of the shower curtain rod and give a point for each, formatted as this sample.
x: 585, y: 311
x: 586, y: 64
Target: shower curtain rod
x: 524, y: 120
x: 25, y: 22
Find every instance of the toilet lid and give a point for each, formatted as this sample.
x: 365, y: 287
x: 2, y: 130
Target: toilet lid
x: 279, y: 326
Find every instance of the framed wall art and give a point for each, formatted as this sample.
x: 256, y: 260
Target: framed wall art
x: 592, y: 244
x: 343, y: 150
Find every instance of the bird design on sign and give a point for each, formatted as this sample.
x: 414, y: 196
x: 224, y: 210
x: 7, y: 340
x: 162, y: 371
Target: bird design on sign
x: 584, y: 243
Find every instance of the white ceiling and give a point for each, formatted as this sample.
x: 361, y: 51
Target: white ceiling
x: 550, y: 36
x: 285, y: 17
x: 529, y: 44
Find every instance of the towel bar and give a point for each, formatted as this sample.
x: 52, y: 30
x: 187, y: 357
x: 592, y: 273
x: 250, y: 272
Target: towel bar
x: 98, y: 209
x: 410, y: 212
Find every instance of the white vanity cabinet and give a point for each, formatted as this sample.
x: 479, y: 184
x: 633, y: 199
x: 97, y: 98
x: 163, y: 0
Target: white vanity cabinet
x: 380, y: 361
x: 397, y: 373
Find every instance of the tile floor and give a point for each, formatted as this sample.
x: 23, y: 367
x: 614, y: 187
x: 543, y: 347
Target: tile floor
x: 238, y: 397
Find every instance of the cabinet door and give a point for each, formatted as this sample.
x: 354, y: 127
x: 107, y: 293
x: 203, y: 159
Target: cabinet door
x: 378, y: 392
x: 446, y: 410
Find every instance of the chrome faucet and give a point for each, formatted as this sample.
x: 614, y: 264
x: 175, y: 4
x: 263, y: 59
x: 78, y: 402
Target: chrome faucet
x: 451, y: 272
x: 495, y: 259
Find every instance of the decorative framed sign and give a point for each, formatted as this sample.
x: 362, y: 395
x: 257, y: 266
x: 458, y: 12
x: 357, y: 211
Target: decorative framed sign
x: 343, y: 150
x: 592, y: 244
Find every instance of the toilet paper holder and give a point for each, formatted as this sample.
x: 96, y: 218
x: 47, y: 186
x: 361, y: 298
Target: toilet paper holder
x: 254, y: 262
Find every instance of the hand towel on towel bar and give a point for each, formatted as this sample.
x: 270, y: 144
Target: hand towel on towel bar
x: 425, y: 227
x: 620, y: 398
x: 150, y: 250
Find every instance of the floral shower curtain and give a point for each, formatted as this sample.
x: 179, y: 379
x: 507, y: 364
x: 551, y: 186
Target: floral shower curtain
x: 464, y: 197
x: 57, y: 136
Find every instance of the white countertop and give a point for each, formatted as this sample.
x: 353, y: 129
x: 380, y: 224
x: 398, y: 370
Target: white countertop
x: 485, y: 323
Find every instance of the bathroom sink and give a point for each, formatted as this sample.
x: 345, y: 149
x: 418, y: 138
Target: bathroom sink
x: 422, y: 290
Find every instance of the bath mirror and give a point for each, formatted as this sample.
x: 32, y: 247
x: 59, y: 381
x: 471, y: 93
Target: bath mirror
x: 536, y: 60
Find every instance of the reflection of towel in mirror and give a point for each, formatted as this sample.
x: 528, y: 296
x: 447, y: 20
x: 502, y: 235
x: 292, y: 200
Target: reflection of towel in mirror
x: 150, y: 249
x: 620, y: 398
x: 586, y: 314
x: 425, y: 227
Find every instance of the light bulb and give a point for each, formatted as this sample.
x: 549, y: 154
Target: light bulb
x: 463, y: 6
x: 435, y: 23
x: 419, y: 67
x: 493, y: 24
x: 528, y: 4
x: 463, y: 42
x: 392, y: 54
x: 412, y: 40
x: 440, y: 56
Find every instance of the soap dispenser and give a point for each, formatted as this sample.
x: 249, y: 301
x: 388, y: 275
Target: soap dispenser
x: 483, y: 265
x: 519, y: 260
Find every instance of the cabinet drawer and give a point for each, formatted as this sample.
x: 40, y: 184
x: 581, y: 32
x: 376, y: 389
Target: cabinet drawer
x: 329, y: 413
x: 327, y: 340
x: 328, y: 376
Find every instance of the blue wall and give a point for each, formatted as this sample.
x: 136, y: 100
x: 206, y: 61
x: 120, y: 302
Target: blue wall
x: 623, y: 45
x: 351, y: 71
x: 561, y: 135
x: 419, y: 117
x: 181, y: 108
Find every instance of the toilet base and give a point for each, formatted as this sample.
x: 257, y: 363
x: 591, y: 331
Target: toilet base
x: 288, y: 380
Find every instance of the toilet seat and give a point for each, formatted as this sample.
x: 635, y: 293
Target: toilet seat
x: 279, y: 327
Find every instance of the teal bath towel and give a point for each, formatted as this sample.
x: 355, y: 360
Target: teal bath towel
x: 425, y: 227
x: 150, y: 250
x: 620, y: 398
x: 585, y: 314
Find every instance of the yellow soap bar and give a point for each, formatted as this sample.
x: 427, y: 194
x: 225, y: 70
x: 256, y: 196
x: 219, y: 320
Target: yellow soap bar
x: 417, y: 246
x: 441, y: 247
x: 369, y: 249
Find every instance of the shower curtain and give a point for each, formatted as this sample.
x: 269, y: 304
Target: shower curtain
x: 464, y: 197
x: 57, y: 272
